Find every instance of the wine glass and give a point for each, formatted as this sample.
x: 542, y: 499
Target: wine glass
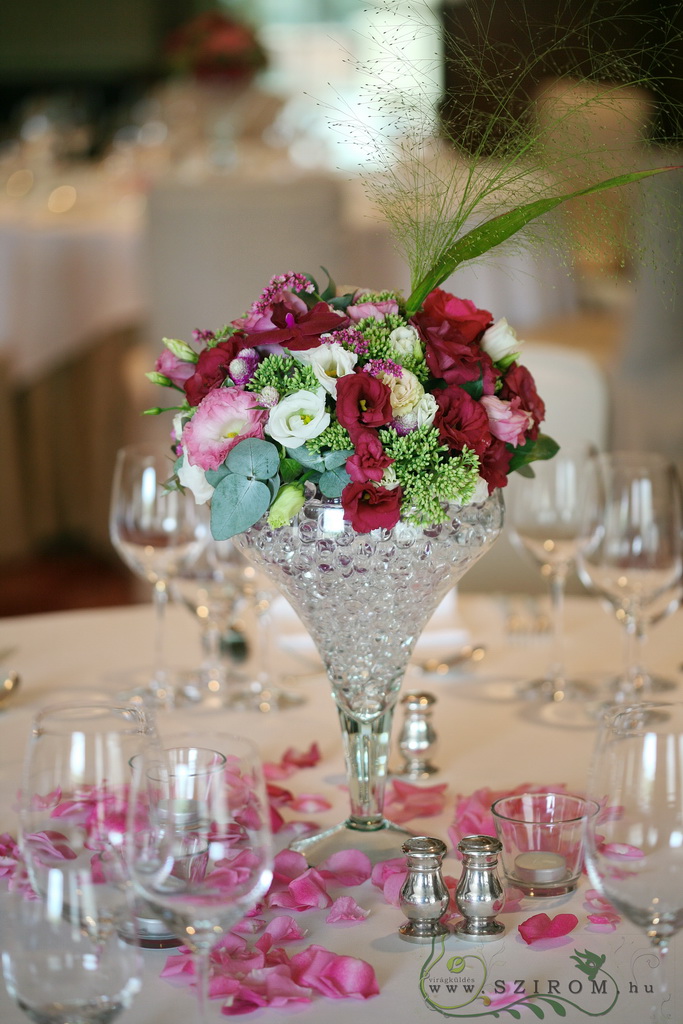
x: 211, y: 587
x: 199, y: 844
x: 544, y: 521
x: 73, y: 801
x: 653, y: 612
x: 156, y: 529
x: 633, y: 845
x: 630, y: 549
x: 62, y: 960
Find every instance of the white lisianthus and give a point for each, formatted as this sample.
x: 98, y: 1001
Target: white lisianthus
x: 329, y: 362
x: 500, y: 341
x: 194, y: 478
x: 298, y: 418
x: 406, y: 391
x: 406, y: 341
x: 425, y: 410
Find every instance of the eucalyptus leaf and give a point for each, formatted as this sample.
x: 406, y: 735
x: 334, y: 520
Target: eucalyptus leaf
x: 307, y: 459
x: 255, y: 458
x: 498, y: 229
x: 334, y: 459
x: 333, y: 482
x: 214, y: 476
x: 236, y: 504
x: 274, y: 485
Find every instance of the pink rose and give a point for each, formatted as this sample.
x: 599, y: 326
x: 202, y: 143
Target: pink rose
x: 518, y: 383
x: 507, y: 421
x: 177, y: 370
x: 222, y: 420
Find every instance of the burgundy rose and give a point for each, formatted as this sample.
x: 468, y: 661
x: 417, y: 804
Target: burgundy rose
x: 211, y: 368
x: 362, y: 401
x: 460, y: 319
x: 299, y: 331
x: 518, y: 383
x: 494, y: 464
x: 457, y: 363
x: 461, y: 421
x: 368, y: 507
x: 369, y: 460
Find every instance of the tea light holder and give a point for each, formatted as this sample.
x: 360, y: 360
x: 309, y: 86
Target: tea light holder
x: 542, y: 836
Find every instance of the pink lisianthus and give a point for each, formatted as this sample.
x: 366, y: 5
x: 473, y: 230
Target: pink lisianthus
x: 507, y: 420
x: 223, y: 418
x: 177, y: 370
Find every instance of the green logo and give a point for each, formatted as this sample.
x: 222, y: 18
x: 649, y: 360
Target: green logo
x: 459, y: 986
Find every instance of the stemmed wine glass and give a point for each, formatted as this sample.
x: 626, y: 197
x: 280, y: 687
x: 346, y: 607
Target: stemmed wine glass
x: 199, y: 844
x: 156, y: 529
x: 630, y: 549
x: 544, y: 520
x: 633, y: 845
x: 212, y: 588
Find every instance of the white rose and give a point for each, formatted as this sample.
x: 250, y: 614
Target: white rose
x: 329, y: 362
x: 481, y: 491
x: 389, y: 480
x: 406, y: 391
x: 425, y: 410
x: 406, y: 341
x: 194, y: 478
x: 500, y: 340
x: 298, y: 418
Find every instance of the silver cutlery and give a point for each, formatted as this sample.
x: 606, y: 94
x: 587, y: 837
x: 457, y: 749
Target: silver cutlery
x: 9, y: 684
x: 442, y: 666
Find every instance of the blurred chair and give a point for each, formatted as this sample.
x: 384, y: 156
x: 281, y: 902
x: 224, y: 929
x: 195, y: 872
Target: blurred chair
x: 574, y: 389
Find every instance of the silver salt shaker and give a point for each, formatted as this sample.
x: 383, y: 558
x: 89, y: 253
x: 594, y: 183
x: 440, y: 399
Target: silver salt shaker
x: 417, y: 738
x: 479, y: 895
x: 424, y: 896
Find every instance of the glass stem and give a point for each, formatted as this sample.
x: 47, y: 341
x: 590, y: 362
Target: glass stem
x: 366, y: 749
x: 202, y: 963
x: 632, y: 683
x: 556, y: 587
x: 160, y: 595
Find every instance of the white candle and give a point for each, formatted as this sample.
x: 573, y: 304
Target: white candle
x: 540, y: 866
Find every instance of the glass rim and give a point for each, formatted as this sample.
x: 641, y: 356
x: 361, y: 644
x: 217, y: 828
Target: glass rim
x: 82, y: 710
x: 592, y: 808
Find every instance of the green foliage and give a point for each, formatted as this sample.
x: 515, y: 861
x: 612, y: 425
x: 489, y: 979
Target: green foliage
x: 333, y: 438
x: 284, y: 374
x: 379, y: 347
x: 428, y: 477
x: 236, y: 504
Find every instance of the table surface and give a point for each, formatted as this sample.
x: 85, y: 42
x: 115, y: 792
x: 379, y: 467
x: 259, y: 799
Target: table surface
x: 486, y: 739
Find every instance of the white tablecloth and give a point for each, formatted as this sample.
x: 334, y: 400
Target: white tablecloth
x: 483, y: 742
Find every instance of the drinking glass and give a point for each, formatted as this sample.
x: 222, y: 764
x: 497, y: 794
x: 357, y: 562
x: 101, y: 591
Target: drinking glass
x: 74, y: 797
x: 199, y: 844
x: 62, y: 960
x: 212, y: 588
x: 156, y: 529
x: 630, y: 548
x: 633, y: 845
x: 544, y: 520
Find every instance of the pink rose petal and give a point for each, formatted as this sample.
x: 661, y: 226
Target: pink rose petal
x: 345, y: 908
x: 347, y: 867
x: 540, y: 926
x: 282, y: 928
x: 406, y: 801
x: 303, y: 893
x: 337, y: 977
x: 605, y: 922
x: 310, y: 803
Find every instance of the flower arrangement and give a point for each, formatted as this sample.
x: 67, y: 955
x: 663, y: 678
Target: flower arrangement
x: 214, y: 46
x: 395, y: 415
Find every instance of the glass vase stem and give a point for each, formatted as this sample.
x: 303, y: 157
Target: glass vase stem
x: 366, y: 751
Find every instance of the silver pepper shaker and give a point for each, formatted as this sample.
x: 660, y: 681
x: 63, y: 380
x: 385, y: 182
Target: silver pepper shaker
x: 417, y: 738
x: 479, y: 895
x: 424, y: 896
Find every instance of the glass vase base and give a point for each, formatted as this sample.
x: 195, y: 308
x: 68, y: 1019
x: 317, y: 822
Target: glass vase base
x: 555, y: 691
x: 380, y: 843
